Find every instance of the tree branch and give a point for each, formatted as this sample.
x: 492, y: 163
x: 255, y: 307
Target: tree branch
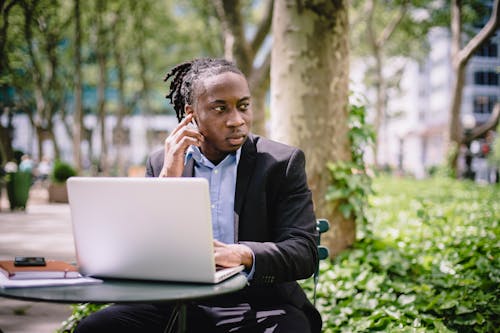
x: 490, y: 124
x: 228, y: 37
x: 36, y: 71
x: 4, y: 62
x: 262, y: 74
x: 232, y: 10
x: 391, y: 27
x: 369, y: 9
x: 355, y: 17
x: 28, y: 34
x: 229, y: 12
x: 5, y: 15
x: 456, y: 29
x: 490, y: 27
x: 263, y: 29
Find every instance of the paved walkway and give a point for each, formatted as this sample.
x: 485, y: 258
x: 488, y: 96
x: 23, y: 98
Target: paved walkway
x: 43, y: 230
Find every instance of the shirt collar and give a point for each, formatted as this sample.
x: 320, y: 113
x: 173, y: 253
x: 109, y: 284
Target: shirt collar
x: 195, y: 153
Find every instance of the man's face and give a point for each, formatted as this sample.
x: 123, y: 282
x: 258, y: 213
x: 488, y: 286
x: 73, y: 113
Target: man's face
x: 223, y: 113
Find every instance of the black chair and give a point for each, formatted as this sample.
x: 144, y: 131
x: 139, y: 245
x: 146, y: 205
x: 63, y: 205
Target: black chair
x: 322, y: 225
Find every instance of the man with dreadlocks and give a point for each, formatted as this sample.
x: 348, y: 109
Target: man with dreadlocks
x: 262, y: 211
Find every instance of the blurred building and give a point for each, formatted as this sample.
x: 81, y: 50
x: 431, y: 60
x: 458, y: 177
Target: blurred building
x: 415, y: 139
x: 142, y: 131
x: 143, y: 134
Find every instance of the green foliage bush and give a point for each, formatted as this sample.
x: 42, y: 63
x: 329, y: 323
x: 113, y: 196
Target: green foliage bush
x: 350, y: 184
x: 348, y: 191
x: 61, y: 172
x: 494, y: 157
x: 431, y: 263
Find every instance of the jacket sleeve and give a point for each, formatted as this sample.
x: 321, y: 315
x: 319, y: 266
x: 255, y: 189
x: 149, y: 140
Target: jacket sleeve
x: 149, y: 168
x: 292, y: 252
x: 154, y: 163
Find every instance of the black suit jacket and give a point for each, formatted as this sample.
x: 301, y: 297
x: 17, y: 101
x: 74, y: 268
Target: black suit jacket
x: 273, y: 216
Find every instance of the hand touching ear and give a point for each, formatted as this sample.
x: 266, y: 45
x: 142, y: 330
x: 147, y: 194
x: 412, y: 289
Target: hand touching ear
x: 176, y: 145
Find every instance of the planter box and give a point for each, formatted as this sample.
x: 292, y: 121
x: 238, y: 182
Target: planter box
x: 18, y: 189
x: 58, y: 193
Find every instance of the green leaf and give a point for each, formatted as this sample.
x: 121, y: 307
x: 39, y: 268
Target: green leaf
x: 465, y: 320
x: 406, y: 299
x: 440, y: 327
x: 381, y: 323
x: 464, y: 309
x: 393, y: 314
x: 345, y: 209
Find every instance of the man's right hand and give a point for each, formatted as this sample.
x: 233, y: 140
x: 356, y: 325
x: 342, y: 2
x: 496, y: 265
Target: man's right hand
x: 176, y: 145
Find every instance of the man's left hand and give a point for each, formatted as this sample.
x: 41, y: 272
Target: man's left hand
x: 230, y: 255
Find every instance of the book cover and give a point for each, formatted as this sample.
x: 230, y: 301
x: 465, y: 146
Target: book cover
x: 52, y: 270
x: 6, y: 283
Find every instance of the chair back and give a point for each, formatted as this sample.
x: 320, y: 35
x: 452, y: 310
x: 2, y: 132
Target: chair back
x: 322, y: 226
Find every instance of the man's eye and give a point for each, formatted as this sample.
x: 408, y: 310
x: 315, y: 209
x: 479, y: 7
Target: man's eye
x: 219, y: 108
x: 244, y: 106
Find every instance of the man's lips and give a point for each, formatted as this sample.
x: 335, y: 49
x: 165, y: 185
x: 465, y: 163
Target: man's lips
x: 236, y: 139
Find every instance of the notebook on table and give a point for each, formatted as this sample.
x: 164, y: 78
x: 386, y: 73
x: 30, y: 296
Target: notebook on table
x: 144, y: 228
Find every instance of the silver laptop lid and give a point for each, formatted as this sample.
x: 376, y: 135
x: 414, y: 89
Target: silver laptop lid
x: 143, y: 228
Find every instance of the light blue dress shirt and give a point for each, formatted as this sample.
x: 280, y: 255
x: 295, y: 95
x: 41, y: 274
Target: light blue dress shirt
x: 222, y: 184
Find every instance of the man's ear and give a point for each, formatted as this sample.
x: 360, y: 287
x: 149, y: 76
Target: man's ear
x: 188, y: 109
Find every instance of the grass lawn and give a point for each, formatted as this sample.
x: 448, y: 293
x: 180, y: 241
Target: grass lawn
x: 432, y: 262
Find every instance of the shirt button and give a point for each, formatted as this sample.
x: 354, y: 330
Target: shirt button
x: 216, y: 171
x: 213, y: 206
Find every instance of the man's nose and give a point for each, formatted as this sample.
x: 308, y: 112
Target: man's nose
x: 235, y: 118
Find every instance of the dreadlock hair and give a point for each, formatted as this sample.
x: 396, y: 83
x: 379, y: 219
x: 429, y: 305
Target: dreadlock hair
x: 187, y: 74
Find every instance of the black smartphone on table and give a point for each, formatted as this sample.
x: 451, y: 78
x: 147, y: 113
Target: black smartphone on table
x: 29, y: 261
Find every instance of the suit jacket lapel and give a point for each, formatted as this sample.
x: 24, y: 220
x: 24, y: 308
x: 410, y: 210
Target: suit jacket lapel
x: 243, y: 176
x: 244, y: 173
x: 189, y: 168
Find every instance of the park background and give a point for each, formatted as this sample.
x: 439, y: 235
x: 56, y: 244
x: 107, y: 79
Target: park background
x: 370, y: 90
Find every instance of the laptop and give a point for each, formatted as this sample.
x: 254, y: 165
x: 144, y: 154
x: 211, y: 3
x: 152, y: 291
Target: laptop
x: 144, y: 228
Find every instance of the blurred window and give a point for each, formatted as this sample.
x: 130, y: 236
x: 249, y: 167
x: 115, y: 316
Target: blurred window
x: 487, y: 49
x: 121, y: 136
x: 486, y: 78
x: 484, y: 104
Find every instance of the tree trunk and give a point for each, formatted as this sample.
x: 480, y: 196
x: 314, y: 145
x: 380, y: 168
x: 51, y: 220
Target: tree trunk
x: 118, y: 56
x: 146, y: 88
x: 47, y: 89
x: 55, y: 146
x: 78, y: 113
x: 259, y: 92
x: 101, y: 113
x: 5, y: 7
x: 240, y: 49
x: 101, y: 51
x: 6, y: 137
x: 455, y: 126
x: 309, y: 99
x: 40, y: 137
x: 380, y: 104
x: 6, y: 150
x: 119, y: 130
x: 259, y: 109
x: 259, y: 81
x: 142, y: 57
x: 377, y: 41
x: 460, y: 56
